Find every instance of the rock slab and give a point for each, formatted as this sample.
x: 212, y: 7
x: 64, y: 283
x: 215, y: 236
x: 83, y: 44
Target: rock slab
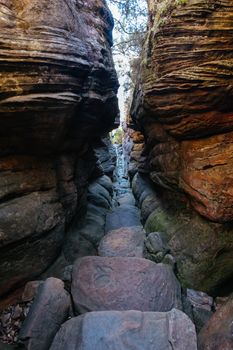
x: 126, y: 241
x: 127, y: 330
x: 103, y: 283
x: 49, y: 310
x: 122, y: 216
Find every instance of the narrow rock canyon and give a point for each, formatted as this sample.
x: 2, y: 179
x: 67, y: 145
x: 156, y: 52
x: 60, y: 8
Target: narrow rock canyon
x: 126, y: 245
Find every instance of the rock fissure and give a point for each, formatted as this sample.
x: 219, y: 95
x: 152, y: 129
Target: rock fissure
x: 73, y: 206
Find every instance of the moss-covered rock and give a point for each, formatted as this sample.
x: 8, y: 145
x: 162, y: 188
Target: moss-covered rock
x: 203, y: 250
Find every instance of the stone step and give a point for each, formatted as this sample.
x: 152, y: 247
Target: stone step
x: 125, y: 199
x: 118, y: 283
x: 110, y: 330
x: 125, y: 242
x: 122, y: 216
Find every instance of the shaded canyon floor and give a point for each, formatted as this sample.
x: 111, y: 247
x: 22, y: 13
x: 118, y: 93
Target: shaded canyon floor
x: 118, y: 298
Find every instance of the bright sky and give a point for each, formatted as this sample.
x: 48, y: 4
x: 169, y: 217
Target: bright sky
x: 122, y: 61
x: 124, y: 65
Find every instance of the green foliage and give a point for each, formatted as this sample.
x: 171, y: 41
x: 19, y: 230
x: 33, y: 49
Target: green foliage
x: 133, y: 18
x: 181, y: 2
x: 130, y: 27
x: 117, y: 136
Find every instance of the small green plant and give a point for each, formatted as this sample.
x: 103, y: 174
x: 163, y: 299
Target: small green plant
x: 181, y: 2
x: 117, y: 136
x: 162, y: 21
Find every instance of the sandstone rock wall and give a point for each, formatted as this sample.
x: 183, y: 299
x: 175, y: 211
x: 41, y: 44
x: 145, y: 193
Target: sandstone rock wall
x: 183, y: 105
x: 54, y: 57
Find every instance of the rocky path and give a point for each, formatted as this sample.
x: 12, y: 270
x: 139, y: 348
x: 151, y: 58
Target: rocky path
x: 119, y: 299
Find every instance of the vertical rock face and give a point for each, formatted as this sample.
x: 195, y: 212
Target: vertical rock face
x: 57, y: 92
x: 183, y: 104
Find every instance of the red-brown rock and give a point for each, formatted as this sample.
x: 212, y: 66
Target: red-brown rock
x: 217, y: 333
x: 103, y: 283
x: 183, y: 102
x: 206, y: 175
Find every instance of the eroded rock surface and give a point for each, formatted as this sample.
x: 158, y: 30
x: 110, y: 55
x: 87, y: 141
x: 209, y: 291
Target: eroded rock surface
x: 53, y: 104
x: 199, y: 306
x: 128, y: 329
x: 122, y: 216
x: 183, y: 106
x: 184, y: 100
x: 202, y: 250
x: 119, y: 283
x: 126, y: 241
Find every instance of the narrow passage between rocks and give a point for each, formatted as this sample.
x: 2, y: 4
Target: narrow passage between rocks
x: 128, y: 248
x: 120, y: 299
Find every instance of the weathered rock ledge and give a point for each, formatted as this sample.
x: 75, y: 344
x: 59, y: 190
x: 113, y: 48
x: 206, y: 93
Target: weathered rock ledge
x: 53, y: 109
x: 183, y: 102
x: 183, y: 106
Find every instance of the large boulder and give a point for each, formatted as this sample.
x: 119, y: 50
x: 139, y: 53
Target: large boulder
x: 203, y: 250
x: 127, y: 330
x: 55, y: 56
x: 126, y: 241
x: 119, y: 283
x: 126, y: 215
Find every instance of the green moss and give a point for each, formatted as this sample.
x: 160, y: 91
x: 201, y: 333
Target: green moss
x: 181, y: 2
x: 203, y: 250
x: 162, y: 221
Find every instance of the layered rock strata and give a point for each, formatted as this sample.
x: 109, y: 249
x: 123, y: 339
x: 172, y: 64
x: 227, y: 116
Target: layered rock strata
x: 183, y: 106
x: 54, y: 58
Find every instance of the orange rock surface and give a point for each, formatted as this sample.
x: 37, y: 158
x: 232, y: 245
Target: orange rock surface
x: 184, y: 101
